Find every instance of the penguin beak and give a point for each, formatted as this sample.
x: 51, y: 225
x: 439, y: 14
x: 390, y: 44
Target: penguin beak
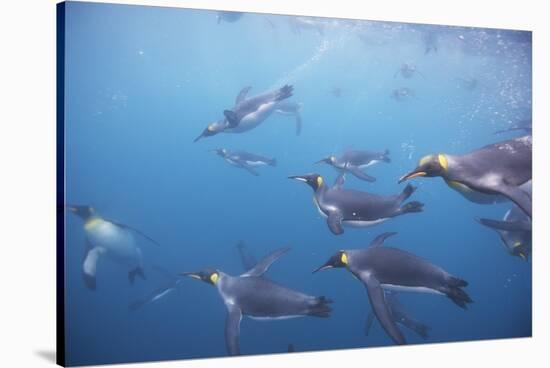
x: 299, y: 178
x: 323, y: 267
x: 326, y: 160
x: 413, y: 174
x: 329, y: 264
x: 194, y: 275
x: 199, y: 137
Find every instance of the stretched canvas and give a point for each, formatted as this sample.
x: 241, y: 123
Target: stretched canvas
x: 191, y: 144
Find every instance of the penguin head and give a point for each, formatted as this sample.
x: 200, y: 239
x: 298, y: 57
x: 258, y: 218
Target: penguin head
x: 430, y: 166
x: 221, y: 151
x: 338, y: 260
x: 82, y: 211
x: 212, y: 129
x: 313, y: 180
x: 328, y: 160
x: 209, y: 276
x: 520, y: 250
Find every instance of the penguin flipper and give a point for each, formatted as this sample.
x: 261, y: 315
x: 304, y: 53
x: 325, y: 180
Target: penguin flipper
x: 334, y: 222
x: 368, y: 323
x: 248, y: 168
x: 380, y: 308
x: 89, y: 267
x: 379, y: 240
x: 516, y: 195
x: 248, y: 260
x: 359, y: 174
x: 340, y: 180
x: 505, y: 225
x: 231, y: 118
x: 242, y: 95
x: 263, y: 265
x: 128, y: 227
x: 233, y: 330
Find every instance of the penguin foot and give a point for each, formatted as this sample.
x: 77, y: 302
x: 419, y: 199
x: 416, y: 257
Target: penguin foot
x: 412, y: 207
x: 456, y: 294
x: 320, y: 307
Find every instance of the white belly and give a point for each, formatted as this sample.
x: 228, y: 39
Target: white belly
x: 117, y: 242
x: 355, y: 223
x: 413, y: 289
x: 256, y: 163
x: 273, y: 318
x: 254, y: 119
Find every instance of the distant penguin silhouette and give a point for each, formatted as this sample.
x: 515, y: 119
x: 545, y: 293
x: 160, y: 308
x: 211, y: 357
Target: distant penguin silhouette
x: 228, y: 16
x: 399, y: 315
x: 354, y: 161
x: 245, y: 160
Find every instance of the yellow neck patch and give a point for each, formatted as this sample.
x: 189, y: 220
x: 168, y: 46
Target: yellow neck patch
x: 214, y: 278
x: 92, y: 223
x: 319, y: 181
x: 344, y: 258
x: 443, y: 161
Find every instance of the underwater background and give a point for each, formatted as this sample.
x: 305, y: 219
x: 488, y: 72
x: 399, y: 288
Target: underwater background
x: 143, y: 82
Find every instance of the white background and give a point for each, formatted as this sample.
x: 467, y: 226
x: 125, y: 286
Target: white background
x: 27, y: 182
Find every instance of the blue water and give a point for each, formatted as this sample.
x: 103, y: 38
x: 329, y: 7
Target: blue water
x: 143, y: 82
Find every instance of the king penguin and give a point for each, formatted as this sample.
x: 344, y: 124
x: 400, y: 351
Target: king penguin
x: 487, y: 175
x: 354, y: 208
x: 354, y: 161
x: 248, y: 113
x: 379, y: 267
x: 108, y: 238
x: 255, y: 296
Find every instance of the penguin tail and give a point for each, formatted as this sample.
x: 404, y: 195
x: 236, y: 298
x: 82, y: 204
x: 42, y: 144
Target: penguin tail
x: 386, y: 156
x: 138, y: 271
x: 412, y: 207
x: 319, y: 307
x: 409, y: 189
x: 284, y: 92
x: 272, y: 162
x: 422, y: 331
x: 456, y: 294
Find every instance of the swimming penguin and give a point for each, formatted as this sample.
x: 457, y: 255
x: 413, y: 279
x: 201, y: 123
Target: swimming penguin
x: 430, y: 40
x: 228, y: 16
x: 353, y: 161
x: 108, y: 238
x: 407, y: 71
x: 514, y: 231
x: 248, y: 113
x: 400, y: 316
x: 173, y: 282
x: 402, y: 94
x: 487, y: 175
x: 255, y: 296
x: 245, y: 160
x: 354, y: 208
x: 379, y: 267
x: 525, y: 125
